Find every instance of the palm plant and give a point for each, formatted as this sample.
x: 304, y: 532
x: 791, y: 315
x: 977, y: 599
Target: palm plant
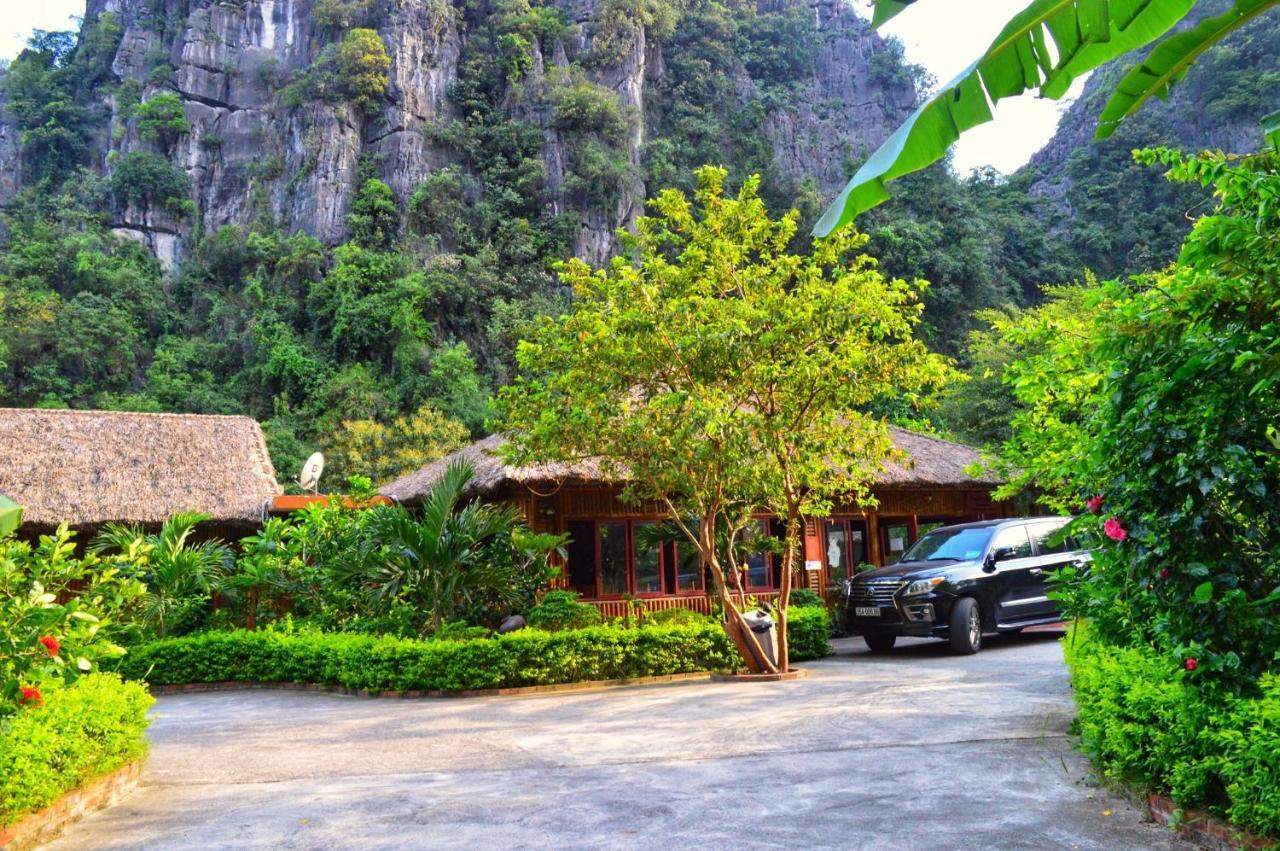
x: 439, y: 563
x: 262, y: 568
x: 168, y: 562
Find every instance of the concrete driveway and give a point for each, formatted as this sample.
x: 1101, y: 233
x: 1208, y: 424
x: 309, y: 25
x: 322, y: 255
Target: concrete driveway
x: 919, y: 749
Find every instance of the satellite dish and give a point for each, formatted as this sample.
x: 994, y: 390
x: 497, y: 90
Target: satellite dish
x: 310, y: 476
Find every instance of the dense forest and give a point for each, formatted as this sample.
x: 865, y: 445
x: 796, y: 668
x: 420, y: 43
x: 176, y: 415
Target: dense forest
x: 167, y: 249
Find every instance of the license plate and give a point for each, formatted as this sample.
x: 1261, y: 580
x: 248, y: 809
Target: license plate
x: 866, y: 612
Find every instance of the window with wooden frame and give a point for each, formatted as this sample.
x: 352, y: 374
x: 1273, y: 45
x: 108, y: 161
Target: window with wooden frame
x: 610, y: 558
x: 844, y: 542
x: 763, y: 569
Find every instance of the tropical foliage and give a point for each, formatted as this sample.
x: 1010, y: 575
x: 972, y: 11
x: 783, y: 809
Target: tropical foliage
x: 1157, y: 400
x: 172, y: 565
x: 1045, y: 47
x: 50, y: 636
x: 725, y: 375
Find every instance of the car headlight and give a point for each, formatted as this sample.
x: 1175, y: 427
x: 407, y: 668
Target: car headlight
x: 922, y: 586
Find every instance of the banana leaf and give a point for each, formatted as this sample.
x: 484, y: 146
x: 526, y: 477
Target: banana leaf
x: 1271, y: 129
x: 10, y: 515
x: 1170, y: 60
x: 886, y: 9
x: 1046, y: 47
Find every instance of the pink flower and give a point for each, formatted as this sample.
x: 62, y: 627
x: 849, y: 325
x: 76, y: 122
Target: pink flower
x: 51, y: 644
x: 31, y: 695
x: 1164, y: 573
x: 1192, y: 664
x: 1114, y: 530
x: 1094, y: 504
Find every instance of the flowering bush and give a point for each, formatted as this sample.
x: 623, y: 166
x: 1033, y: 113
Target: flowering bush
x: 48, y: 635
x: 89, y: 728
x: 1161, y: 402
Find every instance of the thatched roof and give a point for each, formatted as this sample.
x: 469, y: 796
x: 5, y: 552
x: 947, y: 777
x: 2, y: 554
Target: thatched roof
x: 94, y: 467
x: 929, y: 462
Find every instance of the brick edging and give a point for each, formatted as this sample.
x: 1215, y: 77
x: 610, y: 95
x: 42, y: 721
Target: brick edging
x: 43, y: 825
x: 1204, y: 829
x: 236, y: 685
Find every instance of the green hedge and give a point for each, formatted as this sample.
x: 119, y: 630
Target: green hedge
x: 1145, y: 724
x: 808, y: 628
x: 87, y: 729
x: 525, y: 658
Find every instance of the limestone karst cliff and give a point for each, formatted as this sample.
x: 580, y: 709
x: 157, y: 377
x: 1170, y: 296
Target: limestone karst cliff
x: 266, y: 135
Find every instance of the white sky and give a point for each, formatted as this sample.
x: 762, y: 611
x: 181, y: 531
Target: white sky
x: 942, y: 35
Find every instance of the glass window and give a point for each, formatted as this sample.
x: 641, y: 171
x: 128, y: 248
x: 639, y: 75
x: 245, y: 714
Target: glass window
x: 613, y: 559
x: 648, y: 560
x: 839, y: 559
x: 950, y: 545
x: 1044, y: 535
x: 1015, y: 537
x: 895, y: 541
x: 581, y: 552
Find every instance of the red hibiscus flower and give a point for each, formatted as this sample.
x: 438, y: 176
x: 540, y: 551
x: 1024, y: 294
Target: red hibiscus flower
x: 1192, y: 664
x: 51, y: 644
x: 1094, y: 504
x: 1114, y: 530
x: 31, y: 695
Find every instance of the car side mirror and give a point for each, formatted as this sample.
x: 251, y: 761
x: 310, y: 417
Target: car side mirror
x: 997, y: 555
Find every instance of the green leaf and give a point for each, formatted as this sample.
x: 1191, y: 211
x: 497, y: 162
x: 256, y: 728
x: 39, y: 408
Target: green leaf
x: 1170, y: 60
x: 1203, y: 592
x: 10, y: 515
x: 83, y: 664
x: 1046, y: 46
x: 888, y: 9
x: 1271, y: 129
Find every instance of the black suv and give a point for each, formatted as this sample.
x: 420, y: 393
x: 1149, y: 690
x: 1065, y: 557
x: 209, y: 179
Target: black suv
x: 961, y: 582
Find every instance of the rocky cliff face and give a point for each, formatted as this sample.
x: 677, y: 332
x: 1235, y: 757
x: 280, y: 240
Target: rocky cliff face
x: 253, y: 149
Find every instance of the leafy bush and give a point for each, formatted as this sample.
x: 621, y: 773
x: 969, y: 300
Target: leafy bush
x: 141, y: 177
x: 561, y: 610
x: 354, y: 71
x: 808, y: 628
x: 1157, y: 402
x: 805, y: 597
x: 44, y: 642
x: 1147, y: 725
x: 461, y: 631
x: 525, y: 658
x: 675, y: 617
x: 162, y: 117
x: 89, y: 728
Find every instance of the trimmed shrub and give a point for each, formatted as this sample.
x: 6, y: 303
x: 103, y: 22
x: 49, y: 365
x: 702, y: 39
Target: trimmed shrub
x: 675, y: 617
x: 808, y: 628
x: 803, y: 597
x: 526, y: 658
x: 87, y: 729
x: 561, y: 610
x: 1206, y: 748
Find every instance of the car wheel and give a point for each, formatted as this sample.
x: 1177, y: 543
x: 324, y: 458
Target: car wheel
x: 880, y: 643
x: 966, y: 626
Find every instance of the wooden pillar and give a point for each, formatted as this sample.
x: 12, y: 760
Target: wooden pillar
x: 913, y: 529
x: 874, y: 553
x: 811, y: 551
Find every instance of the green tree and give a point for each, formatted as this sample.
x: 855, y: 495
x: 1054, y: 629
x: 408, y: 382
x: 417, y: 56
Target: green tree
x: 383, y: 452
x: 162, y: 118
x: 144, y: 178
x: 1045, y: 47
x: 722, y: 375
x: 374, y: 218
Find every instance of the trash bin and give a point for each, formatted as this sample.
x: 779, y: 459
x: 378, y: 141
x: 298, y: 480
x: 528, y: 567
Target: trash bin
x: 761, y: 624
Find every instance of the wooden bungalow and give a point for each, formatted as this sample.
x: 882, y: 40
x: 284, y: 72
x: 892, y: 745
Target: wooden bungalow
x: 608, y: 558
x: 89, y: 468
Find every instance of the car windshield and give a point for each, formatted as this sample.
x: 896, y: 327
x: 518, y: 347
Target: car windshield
x: 949, y: 544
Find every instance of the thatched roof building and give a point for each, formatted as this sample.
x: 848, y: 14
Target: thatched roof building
x: 88, y: 468
x: 927, y: 462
